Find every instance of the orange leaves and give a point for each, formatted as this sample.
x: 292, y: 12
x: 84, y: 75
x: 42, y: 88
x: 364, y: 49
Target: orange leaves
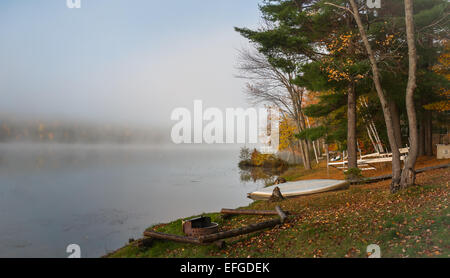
x: 388, y: 41
x: 342, y: 72
x: 336, y: 75
x: 340, y: 43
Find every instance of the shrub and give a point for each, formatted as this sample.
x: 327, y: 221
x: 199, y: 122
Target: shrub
x: 353, y: 174
x: 245, y: 154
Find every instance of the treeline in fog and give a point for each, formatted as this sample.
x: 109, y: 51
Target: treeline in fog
x: 70, y: 132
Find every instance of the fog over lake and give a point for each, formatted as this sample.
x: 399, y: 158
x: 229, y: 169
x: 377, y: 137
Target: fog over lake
x: 99, y: 196
x: 85, y: 119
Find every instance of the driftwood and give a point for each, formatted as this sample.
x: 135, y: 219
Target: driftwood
x: 276, y: 195
x: 183, y: 239
x: 240, y: 231
x: 150, y: 237
x: 217, y: 238
x: 247, y: 229
x: 229, y: 212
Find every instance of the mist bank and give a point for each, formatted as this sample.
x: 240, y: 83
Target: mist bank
x: 77, y: 132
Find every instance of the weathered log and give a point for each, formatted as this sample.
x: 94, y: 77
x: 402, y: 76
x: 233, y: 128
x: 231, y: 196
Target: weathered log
x: 150, y: 237
x: 247, y: 212
x: 240, y: 231
x: 183, y: 239
x: 281, y: 213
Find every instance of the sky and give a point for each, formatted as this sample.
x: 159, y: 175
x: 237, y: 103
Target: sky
x: 120, y: 61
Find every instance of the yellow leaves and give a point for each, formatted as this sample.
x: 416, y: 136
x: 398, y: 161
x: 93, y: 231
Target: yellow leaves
x: 340, y: 74
x: 336, y: 75
x: 441, y: 106
x: 388, y: 41
x: 339, y: 44
x: 259, y: 158
x: 287, y: 131
x: 442, y: 69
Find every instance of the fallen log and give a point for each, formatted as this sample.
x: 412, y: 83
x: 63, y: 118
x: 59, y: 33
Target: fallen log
x: 240, y: 231
x: 281, y: 213
x: 217, y: 238
x: 248, y: 212
x: 183, y: 239
x: 150, y: 236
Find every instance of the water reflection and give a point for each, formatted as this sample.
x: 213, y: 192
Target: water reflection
x: 267, y: 176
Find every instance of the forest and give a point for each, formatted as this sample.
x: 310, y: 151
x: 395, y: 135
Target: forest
x: 353, y: 79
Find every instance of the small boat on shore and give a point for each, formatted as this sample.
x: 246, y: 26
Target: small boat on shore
x: 300, y: 188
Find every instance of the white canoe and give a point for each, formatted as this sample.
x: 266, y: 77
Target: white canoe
x: 299, y: 188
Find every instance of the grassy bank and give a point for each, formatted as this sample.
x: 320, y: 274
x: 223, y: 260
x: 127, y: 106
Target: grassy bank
x: 413, y: 223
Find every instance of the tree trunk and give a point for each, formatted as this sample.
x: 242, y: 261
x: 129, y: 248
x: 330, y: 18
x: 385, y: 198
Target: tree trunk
x: 396, y: 164
x: 301, y: 125
x: 294, y: 158
x: 351, y: 128
x: 396, y: 122
x: 312, y: 144
x: 408, y: 174
x: 307, y: 162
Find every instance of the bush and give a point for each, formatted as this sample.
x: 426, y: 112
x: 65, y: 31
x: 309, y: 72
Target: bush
x: 257, y: 159
x: 353, y: 174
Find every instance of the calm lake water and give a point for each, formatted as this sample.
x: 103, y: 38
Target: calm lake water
x: 99, y: 196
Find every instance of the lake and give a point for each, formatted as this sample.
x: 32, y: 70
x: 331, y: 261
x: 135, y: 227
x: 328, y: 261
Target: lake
x: 99, y: 196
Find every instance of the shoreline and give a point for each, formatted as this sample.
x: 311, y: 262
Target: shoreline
x: 171, y: 249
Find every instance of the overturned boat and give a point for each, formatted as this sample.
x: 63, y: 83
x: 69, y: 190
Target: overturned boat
x: 300, y: 188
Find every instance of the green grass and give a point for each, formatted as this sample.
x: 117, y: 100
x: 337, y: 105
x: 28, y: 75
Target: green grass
x: 297, y: 172
x: 412, y: 223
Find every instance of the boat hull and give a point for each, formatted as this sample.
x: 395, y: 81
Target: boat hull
x: 300, y: 188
